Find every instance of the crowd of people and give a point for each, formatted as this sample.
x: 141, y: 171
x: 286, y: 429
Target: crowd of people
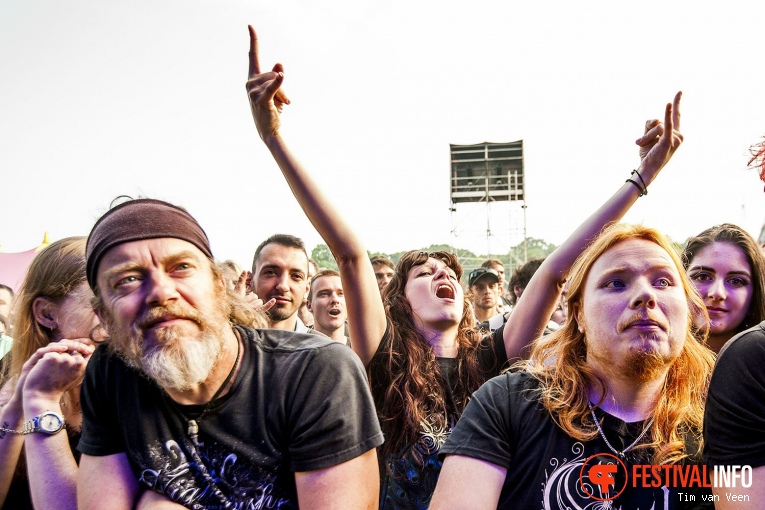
x: 138, y: 371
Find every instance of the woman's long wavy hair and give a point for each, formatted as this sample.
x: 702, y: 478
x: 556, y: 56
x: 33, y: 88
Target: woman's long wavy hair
x: 54, y: 274
x: 735, y: 235
x: 560, y: 363
x: 407, y: 383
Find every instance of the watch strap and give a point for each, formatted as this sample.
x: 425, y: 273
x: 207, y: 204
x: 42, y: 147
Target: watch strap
x: 33, y: 425
x: 29, y: 426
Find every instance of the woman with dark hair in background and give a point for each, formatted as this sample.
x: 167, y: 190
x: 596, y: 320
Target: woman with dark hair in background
x: 727, y: 267
x: 734, y: 416
x: 40, y: 396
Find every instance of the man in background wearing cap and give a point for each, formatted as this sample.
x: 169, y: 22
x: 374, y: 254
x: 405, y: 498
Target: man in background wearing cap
x: 186, y: 402
x: 484, y: 287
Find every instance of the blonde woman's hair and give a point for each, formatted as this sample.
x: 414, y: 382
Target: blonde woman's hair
x: 54, y: 274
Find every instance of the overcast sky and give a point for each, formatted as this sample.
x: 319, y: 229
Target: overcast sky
x: 99, y: 99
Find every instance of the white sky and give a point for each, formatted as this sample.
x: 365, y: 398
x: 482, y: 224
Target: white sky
x: 99, y: 99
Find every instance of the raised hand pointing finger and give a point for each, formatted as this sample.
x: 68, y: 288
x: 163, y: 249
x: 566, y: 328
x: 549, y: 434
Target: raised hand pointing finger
x: 254, y: 64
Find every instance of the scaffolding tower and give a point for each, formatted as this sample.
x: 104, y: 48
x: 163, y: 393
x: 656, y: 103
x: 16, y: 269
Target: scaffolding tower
x: 486, y: 173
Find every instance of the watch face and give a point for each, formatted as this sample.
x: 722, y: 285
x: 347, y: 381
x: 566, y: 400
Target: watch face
x: 50, y: 422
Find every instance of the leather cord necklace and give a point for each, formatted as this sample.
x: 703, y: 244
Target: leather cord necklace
x: 193, y: 424
x: 620, y: 454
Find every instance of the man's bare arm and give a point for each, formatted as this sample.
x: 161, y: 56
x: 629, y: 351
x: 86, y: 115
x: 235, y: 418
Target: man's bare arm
x: 534, y: 308
x: 352, y: 484
x: 366, y: 315
x: 466, y: 482
x: 106, y: 483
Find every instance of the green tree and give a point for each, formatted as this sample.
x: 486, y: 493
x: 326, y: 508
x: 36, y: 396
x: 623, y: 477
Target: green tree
x: 373, y: 254
x: 534, y: 249
x: 323, y: 257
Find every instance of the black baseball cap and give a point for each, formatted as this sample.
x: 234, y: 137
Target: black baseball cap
x: 482, y: 272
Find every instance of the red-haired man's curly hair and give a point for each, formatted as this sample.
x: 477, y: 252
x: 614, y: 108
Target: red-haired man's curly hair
x: 758, y: 158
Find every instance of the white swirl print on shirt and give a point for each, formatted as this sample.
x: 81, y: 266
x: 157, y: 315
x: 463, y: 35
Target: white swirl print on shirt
x: 432, y: 435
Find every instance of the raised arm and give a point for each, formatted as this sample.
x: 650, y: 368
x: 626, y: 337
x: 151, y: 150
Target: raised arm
x: 536, y: 305
x: 366, y: 315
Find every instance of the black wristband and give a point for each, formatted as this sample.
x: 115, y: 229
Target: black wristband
x: 643, y: 189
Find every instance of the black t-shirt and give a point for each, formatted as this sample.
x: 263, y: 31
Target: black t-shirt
x: 299, y: 403
x: 410, y: 486
x: 734, y: 418
x: 505, y: 424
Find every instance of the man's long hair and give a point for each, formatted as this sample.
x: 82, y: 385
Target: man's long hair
x: 559, y: 362
x: 407, y: 383
x: 240, y: 312
x: 757, y: 161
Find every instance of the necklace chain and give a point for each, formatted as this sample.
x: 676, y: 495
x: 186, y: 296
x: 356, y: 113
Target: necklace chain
x: 193, y: 424
x: 620, y: 454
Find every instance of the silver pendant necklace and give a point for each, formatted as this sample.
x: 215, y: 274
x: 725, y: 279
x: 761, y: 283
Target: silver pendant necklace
x: 618, y: 453
x: 193, y: 424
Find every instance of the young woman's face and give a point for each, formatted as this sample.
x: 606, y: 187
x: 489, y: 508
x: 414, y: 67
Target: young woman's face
x: 723, y: 276
x: 435, y: 295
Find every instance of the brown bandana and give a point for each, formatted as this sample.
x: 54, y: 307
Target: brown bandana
x: 140, y: 219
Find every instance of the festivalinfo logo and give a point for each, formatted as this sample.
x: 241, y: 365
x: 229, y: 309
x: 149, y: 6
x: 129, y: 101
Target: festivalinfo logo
x: 604, y: 477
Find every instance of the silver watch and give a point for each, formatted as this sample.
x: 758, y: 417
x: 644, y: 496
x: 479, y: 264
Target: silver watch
x: 47, y: 423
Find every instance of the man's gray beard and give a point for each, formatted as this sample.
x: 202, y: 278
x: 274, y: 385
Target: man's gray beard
x: 172, y: 361
x: 180, y: 363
